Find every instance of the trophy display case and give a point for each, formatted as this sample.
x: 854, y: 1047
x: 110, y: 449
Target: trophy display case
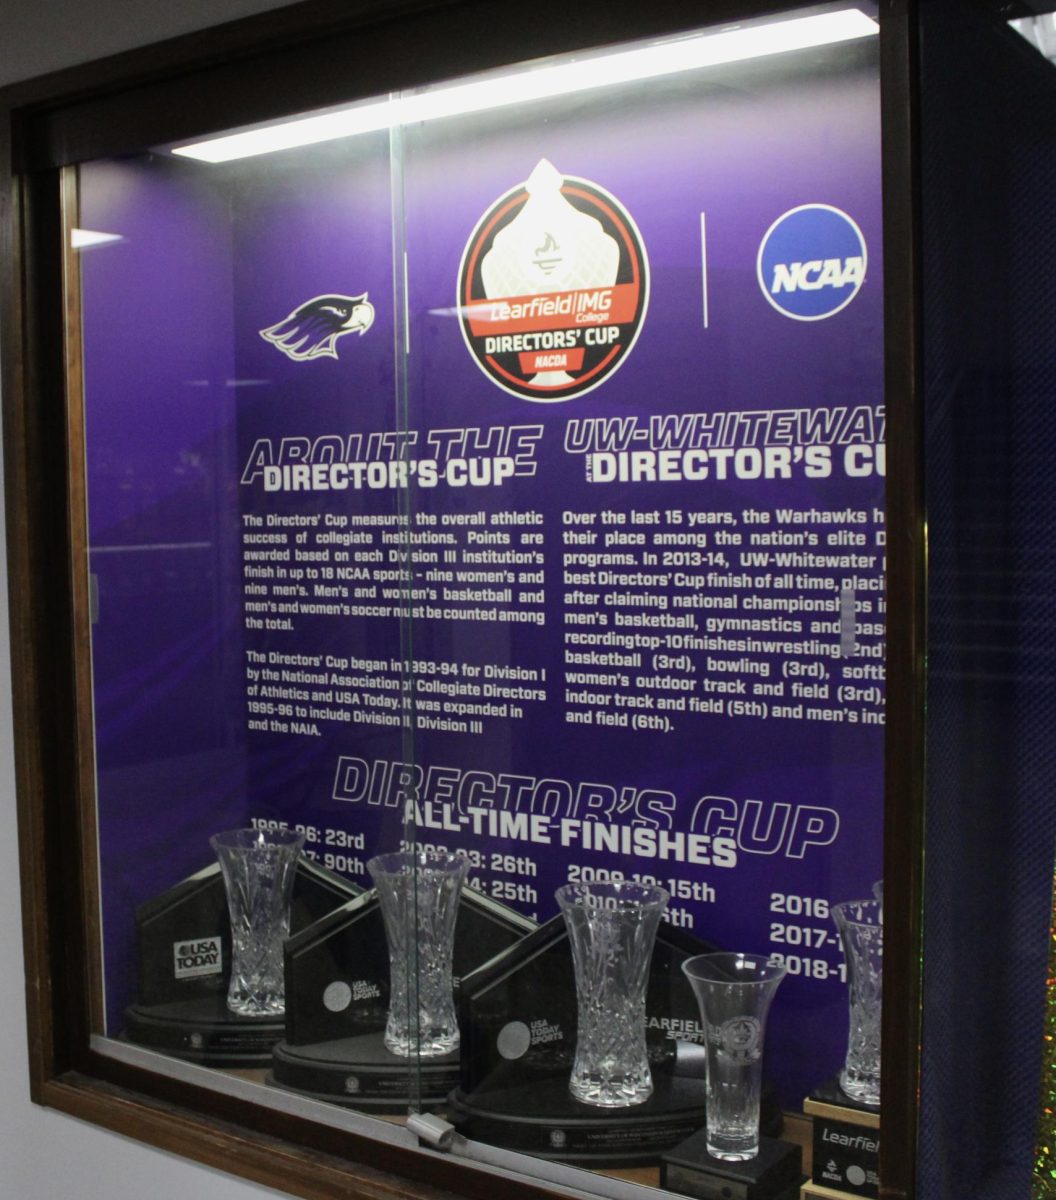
x: 488, y: 663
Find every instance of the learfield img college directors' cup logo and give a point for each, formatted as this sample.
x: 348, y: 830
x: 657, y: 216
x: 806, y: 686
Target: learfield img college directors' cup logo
x: 553, y: 287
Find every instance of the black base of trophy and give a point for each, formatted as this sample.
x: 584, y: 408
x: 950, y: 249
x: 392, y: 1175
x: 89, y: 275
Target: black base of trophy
x: 830, y: 1094
x: 775, y: 1173
x: 204, y: 1030
x: 544, y: 1119
x: 361, y: 1073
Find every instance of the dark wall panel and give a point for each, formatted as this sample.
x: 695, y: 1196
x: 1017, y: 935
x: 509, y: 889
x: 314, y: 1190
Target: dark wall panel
x: 989, y: 177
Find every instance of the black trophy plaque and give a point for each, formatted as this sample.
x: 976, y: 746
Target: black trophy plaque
x: 361, y: 1073
x: 185, y: 967
x: 846, y: 1160
x: 337, y: 1001
x: 775, y: 1173
x: 518, y: 1022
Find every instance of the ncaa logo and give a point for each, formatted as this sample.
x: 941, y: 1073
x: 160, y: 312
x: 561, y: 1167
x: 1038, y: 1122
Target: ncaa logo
x: 811, y: 262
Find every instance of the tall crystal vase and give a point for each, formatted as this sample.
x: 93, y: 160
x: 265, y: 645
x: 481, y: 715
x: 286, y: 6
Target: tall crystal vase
x: 612, y: 927
x: 419, y: 893
x: 734, y: 992
x: 258, y: 867
x: 861, y: 926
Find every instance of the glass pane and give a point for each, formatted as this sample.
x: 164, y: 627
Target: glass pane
x: 486, y: 483
x: 239, y: 354
x: 646, y: 352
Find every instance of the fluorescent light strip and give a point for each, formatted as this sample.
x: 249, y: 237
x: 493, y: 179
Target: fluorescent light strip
x: 537, y: 83
x: 81, y: 239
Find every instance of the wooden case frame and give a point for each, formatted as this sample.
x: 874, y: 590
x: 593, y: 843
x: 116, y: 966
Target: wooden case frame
x: 224, y: 77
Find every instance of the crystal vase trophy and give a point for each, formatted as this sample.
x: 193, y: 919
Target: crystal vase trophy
x: 861, y: 927
x: 258, y: 867
x: 419, y: 894
x: 611, y: 928
x: 845, y: 1109
x: 734, y: 992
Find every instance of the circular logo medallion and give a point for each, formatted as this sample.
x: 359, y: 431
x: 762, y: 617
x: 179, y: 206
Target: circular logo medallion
x: 740, y: 1039
x: 553, y: 287
x: 514, y: 1040
x: 811, y: 262
x: 337, y: 996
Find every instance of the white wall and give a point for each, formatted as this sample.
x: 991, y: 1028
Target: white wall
x: 45, y: 1155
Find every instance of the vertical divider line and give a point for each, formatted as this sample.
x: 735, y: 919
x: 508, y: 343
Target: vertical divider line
x: 704, y: 266
x: 406, y: 312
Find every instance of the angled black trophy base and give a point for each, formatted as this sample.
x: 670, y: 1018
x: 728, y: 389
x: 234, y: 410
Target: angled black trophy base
x: 204, y: 1030
x: 184, y: 939
x: 775, y: 1173
x: 543, y: 1118
x: 360, y: 1072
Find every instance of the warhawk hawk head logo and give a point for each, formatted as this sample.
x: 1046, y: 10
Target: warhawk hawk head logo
x: 312, y: 330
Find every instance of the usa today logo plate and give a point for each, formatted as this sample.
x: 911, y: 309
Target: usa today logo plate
x: 811, y: 262
x: 194, y: 957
